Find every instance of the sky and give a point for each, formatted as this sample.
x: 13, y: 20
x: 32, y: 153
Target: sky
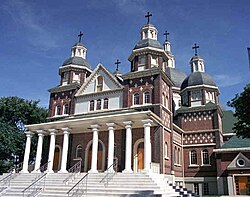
x: 36, y: 38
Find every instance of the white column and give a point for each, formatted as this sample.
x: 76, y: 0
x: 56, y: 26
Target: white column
x: 39, y: 150
x: 51, y: 149
x: 66, y: 132
x: 128, y: 154
x: 94, y: 149
x: 147, y: 145
x: 111, y: 145
x: 27, y: 152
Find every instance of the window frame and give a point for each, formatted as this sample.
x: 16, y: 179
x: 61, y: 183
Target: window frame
x: 92, y: 105
x: 145, y: 99
x: 193, y: 156
x: 77, y: 151
x: 99, y: 83
x: 58, y: 112
x: 203, y: 152
x: 137, y: 99
x: 66, y: 110
x: 105, y: 103
x: 99, y: 104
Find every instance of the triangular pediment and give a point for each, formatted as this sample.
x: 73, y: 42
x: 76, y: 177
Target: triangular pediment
x: 239, y: 162
x: 109, y: 82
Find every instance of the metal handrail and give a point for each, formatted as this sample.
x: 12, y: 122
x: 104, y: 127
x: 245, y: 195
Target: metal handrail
x: 85, y: 178
x: 74, y: 170
x: 43, y: 168
x: 110, y: 172
x: 34, y: 183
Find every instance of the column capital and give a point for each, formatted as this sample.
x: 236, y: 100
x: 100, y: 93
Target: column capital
x: 52, y: 131
x: 29, y: 134
x: 94, y: 127
x: 147, y: 122
x: 40, y: 132
x: 66, y: 130
x: 128, y: 124
x: 110, y: 125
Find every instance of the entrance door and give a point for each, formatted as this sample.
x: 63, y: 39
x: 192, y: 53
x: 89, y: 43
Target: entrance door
x: 140, y: 154
x: 243, y: 185
x: 56, y: 159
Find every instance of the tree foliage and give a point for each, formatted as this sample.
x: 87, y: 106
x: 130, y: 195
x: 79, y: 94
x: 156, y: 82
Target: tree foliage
x: 241, y: 103
x: 14, y: 114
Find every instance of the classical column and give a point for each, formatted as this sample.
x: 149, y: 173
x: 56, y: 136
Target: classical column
x: 51, y: 149
x: 94, y: 149
x: 27, y: 152
x: 128, y: 155
x: 66, y: 132
x: 147, y: 144
x: 111, y: 145
x: 39, y: 150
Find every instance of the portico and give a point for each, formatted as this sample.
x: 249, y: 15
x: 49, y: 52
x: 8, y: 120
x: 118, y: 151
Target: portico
x: 94, y: 126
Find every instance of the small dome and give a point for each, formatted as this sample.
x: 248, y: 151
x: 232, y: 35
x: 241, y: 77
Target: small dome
x: 78, y: 44
x: 176, y: 76
x: 197, y: 78
x: 148, y: 43
x: 76, y: 61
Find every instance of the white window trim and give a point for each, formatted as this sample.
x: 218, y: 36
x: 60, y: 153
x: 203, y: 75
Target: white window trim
x: 202, y: 163
x: 150, y: 103
x: 190, y: 164
x: 77, y: 150
x: 133, y: 101
x: 166, y: 151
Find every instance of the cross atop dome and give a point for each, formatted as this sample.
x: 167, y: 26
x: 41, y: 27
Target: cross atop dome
x: 195, y: 47
x: 166, y: 34
x: 148, y: 16
x: 80, y: 36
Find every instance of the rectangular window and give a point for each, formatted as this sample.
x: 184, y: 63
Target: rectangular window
x: 205, y: 189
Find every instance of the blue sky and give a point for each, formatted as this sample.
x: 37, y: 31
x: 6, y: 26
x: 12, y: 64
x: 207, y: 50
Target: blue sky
x: 36, y: 37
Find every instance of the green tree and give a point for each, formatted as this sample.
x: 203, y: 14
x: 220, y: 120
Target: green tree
x: 241, y: 103
x: 14, y: 114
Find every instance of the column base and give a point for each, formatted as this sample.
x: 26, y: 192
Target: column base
x: 24, y: 171
x: 110, y: 171
x: 146, y: 171
x: 49, y: 171
x: 127, y: 171
x: 63, y: 171
x: 93, y: 171
x: 36, y: 171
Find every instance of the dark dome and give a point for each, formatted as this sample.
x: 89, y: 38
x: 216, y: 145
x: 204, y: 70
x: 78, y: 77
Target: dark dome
x: 148, y: 43
x: 197, y: 78
x: 176, y: 76
x: 77, y: 61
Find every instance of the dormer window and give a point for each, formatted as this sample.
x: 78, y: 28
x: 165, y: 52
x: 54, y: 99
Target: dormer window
x: 99, y: 104
x: 92, y: 105
x: 76, y: 77
x: 154, y: 61
x: 106, y: 103
x: 99, y: 86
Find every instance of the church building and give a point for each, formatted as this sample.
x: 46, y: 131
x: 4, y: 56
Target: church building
x: 153, y: 119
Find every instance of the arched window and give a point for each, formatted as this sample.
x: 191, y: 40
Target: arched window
x: 167, y: 101
x: 79, y: 151
x: 99, y: 86
x: 99, y: 104
x: 92, y: 105
x: 106, y: 103
x: 66, y: 109
x: 58, y: 110
x: 163, y: 99
x: 205, y: 157
x: 147, y: 98
x: 193, y: 157
x: 136, y: 99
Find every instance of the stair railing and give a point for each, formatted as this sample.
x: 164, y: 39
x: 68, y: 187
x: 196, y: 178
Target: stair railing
x: 110, y: 173
x: 80, y: 187
x: 35, y: 187
x: 43, y: 168
x: 73, y: 172
x: 5, y: 182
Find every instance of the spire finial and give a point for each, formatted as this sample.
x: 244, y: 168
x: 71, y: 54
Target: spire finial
x: 117, y: 64
x: 148, y: 16
x: 195, y: 47
x: 166, y: 34
x: 80, y: 36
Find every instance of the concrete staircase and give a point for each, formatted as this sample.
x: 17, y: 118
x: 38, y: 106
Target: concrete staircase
x: 121, y: 184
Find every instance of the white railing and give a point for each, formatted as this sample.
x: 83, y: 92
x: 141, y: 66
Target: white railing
x: 74, y: 171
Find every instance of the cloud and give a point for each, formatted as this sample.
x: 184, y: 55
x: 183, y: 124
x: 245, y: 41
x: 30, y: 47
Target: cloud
x: 31, y: 23
x: 224, y: 80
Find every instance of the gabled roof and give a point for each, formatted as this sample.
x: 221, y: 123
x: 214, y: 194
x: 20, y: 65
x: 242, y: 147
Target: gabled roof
x: 94, y: 74
x: 236, y: 164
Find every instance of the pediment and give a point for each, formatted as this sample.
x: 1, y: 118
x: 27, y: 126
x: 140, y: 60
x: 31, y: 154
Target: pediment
x: 239, y: 162
x: 90, y: 86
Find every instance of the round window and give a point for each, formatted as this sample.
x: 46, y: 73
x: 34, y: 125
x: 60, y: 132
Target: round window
x: 241, y: 162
